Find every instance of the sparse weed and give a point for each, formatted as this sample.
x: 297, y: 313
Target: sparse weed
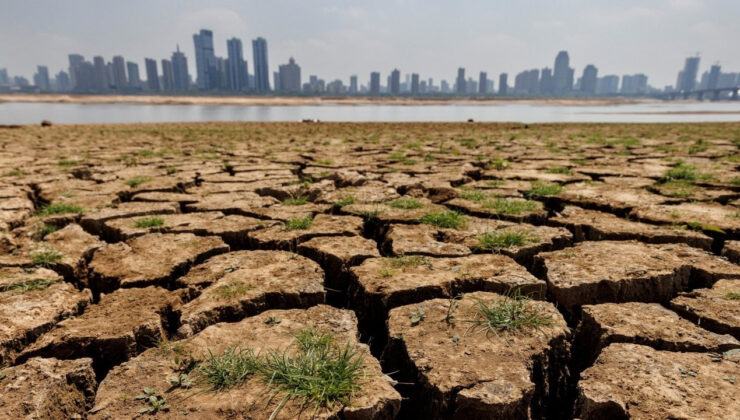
x: 474, y: 195
x: 299, y: 223
x: 543, y: 190
x: 27, y: 286
x: 511, y: 206
x: 405, y: 203
x: 510, y: 314
x: 733, y: 295
x: 155, y: 401
x: 295, y: 201
x: 230, y: 368
x: 449, y: 219
x: 345, y: 201
x: 149, y: 222
x: 137, y: 180
x: 505, y: 238
x: 46, y: 257
x: 59, y: 208
x: 417, y: 315
x: 232, y: 289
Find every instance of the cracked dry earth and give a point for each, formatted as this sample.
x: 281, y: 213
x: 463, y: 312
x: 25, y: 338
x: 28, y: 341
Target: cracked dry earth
x: 466, y: 271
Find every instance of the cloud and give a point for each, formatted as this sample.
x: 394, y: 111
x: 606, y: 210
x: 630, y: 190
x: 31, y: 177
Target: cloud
x: 686, y: 5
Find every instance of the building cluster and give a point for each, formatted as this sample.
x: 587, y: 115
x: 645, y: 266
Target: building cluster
x: 231, y: 74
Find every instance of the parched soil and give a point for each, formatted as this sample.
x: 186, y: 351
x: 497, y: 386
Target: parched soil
x: 447, y: 271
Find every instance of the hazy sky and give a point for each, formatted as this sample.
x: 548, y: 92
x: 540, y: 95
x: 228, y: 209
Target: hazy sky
x: 335, y: 38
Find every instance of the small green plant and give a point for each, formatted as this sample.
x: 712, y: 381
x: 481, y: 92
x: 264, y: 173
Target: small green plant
x: 559, y: 170
x: 155, y: 400
x: 295, y: 201
x: 66, y: 162
x: 733, y: 295
x: 27, y: 286
x: 44, y: 229
x: 180, y: 381
x: 232, y: 289
x: 474, y: 195
x: 149, y: 222
x: 46, y: 257
x: 227, y: 369
x: 686, y: 173
x: 498, y: 164
x: 452, y: 306
x: 417, y: 315
x: 509, y: 314
x: 449, y: 219
x: 405, y: 203
x: 59, y: 208
x: 272, y: 320
x: 171, y: 170
x: 317, y: 371
x: 345, y: 201
x: 299, y: 223
x: 511, y: 206
x: 505, y: 238
x: 137, y: 180
x: 16, y: 172
x: 543, y: 190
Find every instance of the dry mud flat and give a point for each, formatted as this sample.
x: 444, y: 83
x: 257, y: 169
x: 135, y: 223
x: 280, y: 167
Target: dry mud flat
x: 370, y: 271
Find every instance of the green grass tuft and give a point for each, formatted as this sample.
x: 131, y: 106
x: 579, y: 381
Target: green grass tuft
x: 500, y: 239
x: 299, y: 223
x: 345, y: 201
x: 510, y: 314
x: 65, y: 162
x: 232, y: 289
x: 295, y: 201
x: 46, y: 258
x: 405, y: 203
x: 686, y: 173
x: 543, y: 190
x: 137, y: 180
x: 474, y: 195
x: 59, y: 208
x: 149, y: 222
x: 559, y: 170
x: 511, y: 206
x: 733, y: 295
x: 444, y: 219
x: 27, y: 286
x: 230, y: 368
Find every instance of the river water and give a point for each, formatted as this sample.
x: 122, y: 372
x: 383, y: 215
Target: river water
x: 33, y: 113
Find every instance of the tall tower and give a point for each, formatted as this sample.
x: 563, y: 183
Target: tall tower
x: 152, y: 78
x: 179, y: 70
x: 204, y: 58
x: 119, y: 72
x: 236, y: 67
x: 687, y: 78
x: 261, y: 73
x: 588, y: 80
x: 375, y: 83
x: 483, y: 83
x: 460, y: 81
x: 562, y: 77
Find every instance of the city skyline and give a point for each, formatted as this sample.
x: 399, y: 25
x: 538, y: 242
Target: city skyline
x: 333, y: 38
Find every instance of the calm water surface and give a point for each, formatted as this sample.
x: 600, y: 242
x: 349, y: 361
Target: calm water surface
x: 33, y: 113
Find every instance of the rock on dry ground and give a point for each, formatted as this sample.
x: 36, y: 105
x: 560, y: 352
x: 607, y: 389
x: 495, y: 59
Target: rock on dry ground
x: 128, y: 250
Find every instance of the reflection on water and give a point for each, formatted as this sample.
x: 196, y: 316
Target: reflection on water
x: 33, y: 113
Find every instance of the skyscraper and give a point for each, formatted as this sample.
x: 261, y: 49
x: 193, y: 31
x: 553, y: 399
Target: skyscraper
x: 168, y: 78
x: 62, y: 81
x: 714, y: 73
x: 290, y: 77
x: 4, y: 81
x: 236, y: 67
x: 152, y: 78
x: 546, y: 86
x: 395, y: 82
x: 483, y: 83
x: 133, y: 75
x: 261, y: 72
x: 607, y: 85
x: 180, y: 70
x: 635, y: 84
x: 460, y: 81
x: 74, y: 63
x: 588, y: 80
x: 375, y: 83
x: 41, y: 78
x: 119, y: 72
x: 562, y: 74
x: 204, y: 58
x: 101, y: 75
x: 502, y: 84
x: 415, y: 83
x: 353, y: 84
x: 276, y: 81
x: 687, y: 77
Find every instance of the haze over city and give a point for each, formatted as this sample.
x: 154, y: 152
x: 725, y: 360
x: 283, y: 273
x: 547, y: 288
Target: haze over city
x: 335, y: 39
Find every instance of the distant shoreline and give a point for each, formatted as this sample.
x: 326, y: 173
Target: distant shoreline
x: 302, y: 101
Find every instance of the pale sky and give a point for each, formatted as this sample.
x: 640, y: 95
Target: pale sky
x: 337, y: 38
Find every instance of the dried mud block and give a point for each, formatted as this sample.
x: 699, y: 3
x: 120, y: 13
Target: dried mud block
x: 93, y: 222
x: 394, y: 212
x: 242, y: 203
x: 731, y: 251
x: 638, y: 382
x: 48, y: 389
x: 287, y: 236
x: 716, y: 309
x: 463, y: 370
x: 504, y: 208
x: 704, y: 215
x: 76, y: 247
x: 608, y: 197
x: 255, y: 281
x: 268, y: 332
x: 609, y: 271
x: 150, y: 259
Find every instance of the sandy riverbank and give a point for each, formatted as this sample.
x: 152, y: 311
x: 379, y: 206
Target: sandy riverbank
x: 296, y: 101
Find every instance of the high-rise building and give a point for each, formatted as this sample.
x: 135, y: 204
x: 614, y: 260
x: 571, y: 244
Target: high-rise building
x: 236, y: 67
x: 607, y: 85
x: 562, y: 74
x: 41, y: 78
x: 180, y: 74
x: 4, y: 81
x: 82, y: 74
x: 635, y: 84
x: 290, y: 77
x: 375, y: 83
x: 503, y: 86
x: 483, y: 83
x: 460, y: 81
x: 62, y: 81
x: 687, y: 77
x: 444, y: 86
x: 395, y: 82
x: 353, y: 84
x: 119, y: 72
x: 168, y: 78
x: 134, y: 81
x: 152, y: 77
x: 414, y: 83
x: 588, y: 80
x: 276, y: 81
x: 101, y: 74
x: 527, y: 82
x: 74, y: 62
x: 713, y: 79
x: 546, y: 86
x: 261, y: 72
x: 205, y: 59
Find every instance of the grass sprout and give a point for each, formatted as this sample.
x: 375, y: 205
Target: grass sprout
x: 510, y: 314
x: 405, y: 203
x: 299, y: 223
x: 444, y: 219
x: 501, y: 239
x: 149, y: 222
x: 59, y: 208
